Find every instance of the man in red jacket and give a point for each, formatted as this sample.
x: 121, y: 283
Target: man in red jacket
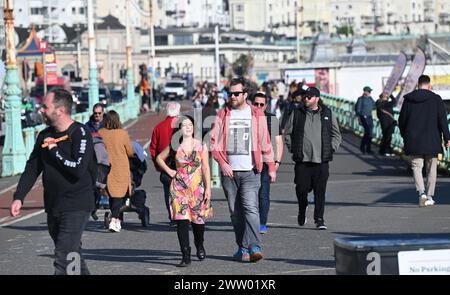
x: 240, y: 143
x: 161, y: 137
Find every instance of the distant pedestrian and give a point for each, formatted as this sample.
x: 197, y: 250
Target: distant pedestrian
x: 63, y: 153
x: 295, y: 103
x: 208, y: 117
x: 385, y: 113
x: 363, y: 109
x: 162, y: 133
x: 190, y: 188
x: 119, y: 147
x: 240, y: 143
x: 312, y: 136
x: 97, y: 119
x: 423, y: 123
x: 260, y: 101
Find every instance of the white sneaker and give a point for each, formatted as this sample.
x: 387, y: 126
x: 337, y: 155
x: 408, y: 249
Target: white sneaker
x: 429, y: 201
x: 423, y: 200
x: 118, y: 224
x: 113, y: 225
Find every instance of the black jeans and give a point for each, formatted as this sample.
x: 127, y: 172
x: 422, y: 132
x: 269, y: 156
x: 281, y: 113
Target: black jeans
x: 183, y: 233
x: 166, y: 180
x: 366, y: 142
x: 66, y: 229
x: 312, y: 176
x: 264, y: 195
x: 385, y: 146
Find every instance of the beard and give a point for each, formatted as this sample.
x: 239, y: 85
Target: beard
x: 49, y: 119
x: 237, y: 104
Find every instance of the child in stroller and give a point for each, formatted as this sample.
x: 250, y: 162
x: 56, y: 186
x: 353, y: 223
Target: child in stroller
x: 135, y: 203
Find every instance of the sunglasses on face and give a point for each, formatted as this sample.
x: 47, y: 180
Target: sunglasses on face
x: 236, y: 93
x: 259, y: 104
x: 308, y: 97
x: 98, y: 113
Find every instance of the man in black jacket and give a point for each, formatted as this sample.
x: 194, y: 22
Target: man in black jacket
x: 64, y: 153
x: 312, y: 136
x: 423, y: 123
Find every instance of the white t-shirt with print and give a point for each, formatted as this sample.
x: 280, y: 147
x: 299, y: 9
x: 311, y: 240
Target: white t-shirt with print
x: 239, y: 143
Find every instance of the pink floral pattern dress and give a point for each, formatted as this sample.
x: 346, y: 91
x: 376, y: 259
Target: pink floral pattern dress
x: 187, y: 188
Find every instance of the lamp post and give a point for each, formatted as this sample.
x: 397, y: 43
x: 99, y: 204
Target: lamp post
x: 78, y: 30
x: 152, y: 55
x: 93, y: 82
x: 14, y: 153
x: 130, y: 76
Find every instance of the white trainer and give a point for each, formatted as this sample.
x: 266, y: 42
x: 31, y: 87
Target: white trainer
x: 113, y: 225
x: 422, y: 200
x: 429, y: 201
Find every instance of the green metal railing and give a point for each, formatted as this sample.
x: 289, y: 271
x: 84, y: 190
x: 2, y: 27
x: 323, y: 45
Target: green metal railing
x: 128, y: 109
x: 344, y: 110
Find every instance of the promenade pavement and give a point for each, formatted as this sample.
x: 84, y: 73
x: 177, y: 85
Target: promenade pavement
x: 368, y: 195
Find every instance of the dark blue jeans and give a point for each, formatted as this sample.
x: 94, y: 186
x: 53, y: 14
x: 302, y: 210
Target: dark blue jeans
x: 166, y: 180
x: 66, y: 229
x: 264, y: 196
x: 366, y: 142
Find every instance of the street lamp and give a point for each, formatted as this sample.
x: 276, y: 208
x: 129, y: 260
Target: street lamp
x: 14, y: 153
x: 93, y: 82
x: 78, y: 30
x: 152, y: 55
x: 130, y: 77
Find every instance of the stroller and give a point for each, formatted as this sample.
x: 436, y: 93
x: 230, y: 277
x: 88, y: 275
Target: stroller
x: 135, y: 203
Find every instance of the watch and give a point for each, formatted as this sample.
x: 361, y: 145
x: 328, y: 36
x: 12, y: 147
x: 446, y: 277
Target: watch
x: 277, y: 162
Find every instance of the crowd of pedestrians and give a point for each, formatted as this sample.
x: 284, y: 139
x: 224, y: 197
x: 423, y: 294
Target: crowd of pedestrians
x: 246, y: 138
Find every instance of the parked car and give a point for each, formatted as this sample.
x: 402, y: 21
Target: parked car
x: 116, y: 96
x: 175, y: 89
x: 104, y: 95
x: 82, y: 102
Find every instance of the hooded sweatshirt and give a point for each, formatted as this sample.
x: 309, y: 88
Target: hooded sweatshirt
x: 423, y: 123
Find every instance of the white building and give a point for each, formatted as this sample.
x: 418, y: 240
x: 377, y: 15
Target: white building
x: 139, y: 11
x: 55, y: 12
x: 194, y: 13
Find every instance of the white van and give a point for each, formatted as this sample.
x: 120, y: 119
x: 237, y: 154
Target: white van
x: 175, y: 90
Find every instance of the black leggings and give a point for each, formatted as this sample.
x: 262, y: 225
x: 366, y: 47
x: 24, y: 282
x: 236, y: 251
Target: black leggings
x: 115, y: 204
x: 183, y: 233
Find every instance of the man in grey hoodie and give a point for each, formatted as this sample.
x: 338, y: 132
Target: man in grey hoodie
x: 312, y: 136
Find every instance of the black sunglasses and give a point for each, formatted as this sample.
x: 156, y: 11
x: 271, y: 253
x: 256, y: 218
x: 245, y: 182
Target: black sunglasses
x: 95, y: 113
x: 236, y: 93
x: 308, y: 97
x: 259, y: 104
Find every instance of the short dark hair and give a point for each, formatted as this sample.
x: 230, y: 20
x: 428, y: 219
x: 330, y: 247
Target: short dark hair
x: 62, y: 98
x: 240, y: 80
x: 259, y: 94
x: 98, y: 105
x: 424, y: 80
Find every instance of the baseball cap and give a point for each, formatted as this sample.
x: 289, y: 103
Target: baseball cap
x: 299, y: 92
x: 367, y: 89
x: 313, y: 92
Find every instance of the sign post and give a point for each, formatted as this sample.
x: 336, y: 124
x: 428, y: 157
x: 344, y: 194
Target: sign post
x: 43, y: 45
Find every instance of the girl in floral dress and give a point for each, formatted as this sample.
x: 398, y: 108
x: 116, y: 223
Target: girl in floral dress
x: 190, y: 190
